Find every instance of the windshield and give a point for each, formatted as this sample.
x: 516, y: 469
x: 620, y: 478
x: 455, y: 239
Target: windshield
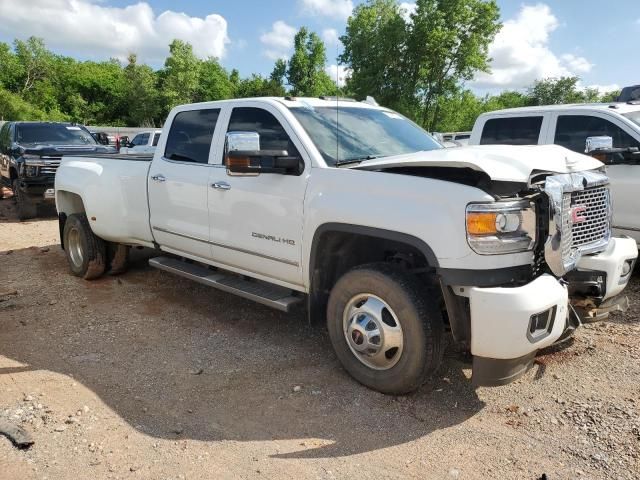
x: 633, y: 116
x: 53, y: 134
x: 356, y: 133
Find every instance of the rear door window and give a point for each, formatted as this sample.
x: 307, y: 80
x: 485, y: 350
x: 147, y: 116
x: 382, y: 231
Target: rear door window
x: 156, y: 137
x: 190, y: 136
x: 572, y: 132
x: 511, y: 131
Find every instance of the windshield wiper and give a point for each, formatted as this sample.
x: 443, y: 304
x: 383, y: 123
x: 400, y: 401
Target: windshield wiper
x: 351, y: 161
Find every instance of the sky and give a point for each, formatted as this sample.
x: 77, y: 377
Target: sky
x: 593, y: 39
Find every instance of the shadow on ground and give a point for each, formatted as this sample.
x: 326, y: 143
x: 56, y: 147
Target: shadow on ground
x: 178, y: 360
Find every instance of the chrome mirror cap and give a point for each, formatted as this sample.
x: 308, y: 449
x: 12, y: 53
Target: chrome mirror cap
x: 243, y: 141
x: 598, y: 143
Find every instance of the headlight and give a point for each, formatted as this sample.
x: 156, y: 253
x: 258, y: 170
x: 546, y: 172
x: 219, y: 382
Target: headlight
x: 31, y: 170
x: 501, y: 227
x: 33, y: 160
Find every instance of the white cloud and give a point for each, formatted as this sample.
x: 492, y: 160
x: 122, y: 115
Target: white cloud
x: 604, y: 88
x: 338, y: 73
x: 576, y: 64
x: 278, y: 41
x: 330, y: 37
x: 521, y: 52
x: 339, y: 9
x: 407, y: 9
x: 100, y: 30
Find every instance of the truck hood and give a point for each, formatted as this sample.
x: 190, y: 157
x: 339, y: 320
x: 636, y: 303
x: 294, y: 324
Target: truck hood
x: 500, y: 162
x: 59, y: 150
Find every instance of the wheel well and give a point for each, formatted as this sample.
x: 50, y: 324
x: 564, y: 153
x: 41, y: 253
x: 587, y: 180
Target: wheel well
x: 67, y: 204
x: 335, y: 252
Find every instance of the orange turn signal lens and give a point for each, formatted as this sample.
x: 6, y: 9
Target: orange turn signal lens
x: 481, y: 223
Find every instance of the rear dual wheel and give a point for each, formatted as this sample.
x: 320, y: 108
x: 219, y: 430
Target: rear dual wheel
x: 386, y: 328
x: 88, y: 255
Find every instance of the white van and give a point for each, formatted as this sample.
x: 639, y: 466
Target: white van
x: 570, y: 126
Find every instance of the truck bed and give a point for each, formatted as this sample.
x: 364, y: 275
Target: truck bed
x: 113, y: 189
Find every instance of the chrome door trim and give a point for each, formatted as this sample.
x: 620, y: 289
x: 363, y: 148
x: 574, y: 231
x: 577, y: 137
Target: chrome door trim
x: 229, y: 247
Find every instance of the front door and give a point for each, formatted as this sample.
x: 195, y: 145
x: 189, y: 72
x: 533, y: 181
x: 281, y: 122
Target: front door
x: 572, y: 131
x: 178, y: 185
x: 256, y: 220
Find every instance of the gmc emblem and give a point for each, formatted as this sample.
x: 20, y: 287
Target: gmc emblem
x: 579, y: 214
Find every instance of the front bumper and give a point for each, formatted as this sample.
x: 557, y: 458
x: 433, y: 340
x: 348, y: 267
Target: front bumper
x: 41, y: 186
x: 509, y: 325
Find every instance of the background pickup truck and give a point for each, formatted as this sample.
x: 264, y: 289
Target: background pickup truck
x: 142, y: 143
x: 570, y: 126
x: 30, y: 153
x: 388, y: 237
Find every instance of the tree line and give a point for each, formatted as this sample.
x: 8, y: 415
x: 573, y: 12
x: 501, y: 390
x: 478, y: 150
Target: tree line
x: 415, y: 63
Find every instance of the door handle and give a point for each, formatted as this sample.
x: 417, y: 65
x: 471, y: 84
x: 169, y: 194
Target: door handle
x: 158, y: 178
x: 221, y: 186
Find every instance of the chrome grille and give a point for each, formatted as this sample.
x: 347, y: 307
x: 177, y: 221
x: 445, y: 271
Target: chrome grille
x: 51, y: 165
x: 595, y: 227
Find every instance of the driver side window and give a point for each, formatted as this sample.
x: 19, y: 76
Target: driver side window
x: 272, y: 134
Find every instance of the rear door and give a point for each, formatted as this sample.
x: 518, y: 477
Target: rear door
x: 178, y: 184
x: 521, y: 129
x: 256, y: 220
x: 572, y: 130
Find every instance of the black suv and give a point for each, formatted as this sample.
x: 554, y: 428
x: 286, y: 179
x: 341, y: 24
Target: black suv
x: 30, y: 153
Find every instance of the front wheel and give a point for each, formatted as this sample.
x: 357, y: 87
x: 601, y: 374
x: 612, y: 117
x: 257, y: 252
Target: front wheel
x: 85, y: 252
x: 386, y: 328
x: 27, y: 207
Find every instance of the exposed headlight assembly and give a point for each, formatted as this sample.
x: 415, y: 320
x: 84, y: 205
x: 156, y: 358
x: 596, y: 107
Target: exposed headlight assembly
x: 501, y: 227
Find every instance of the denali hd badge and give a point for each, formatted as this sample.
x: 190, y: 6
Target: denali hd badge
x: 579, y: 214
x: 273, y: 238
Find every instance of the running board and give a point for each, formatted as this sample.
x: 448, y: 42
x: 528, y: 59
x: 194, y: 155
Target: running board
x: 265, y: 293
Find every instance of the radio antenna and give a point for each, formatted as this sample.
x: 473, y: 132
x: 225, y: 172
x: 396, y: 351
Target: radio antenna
x: 337, y: 105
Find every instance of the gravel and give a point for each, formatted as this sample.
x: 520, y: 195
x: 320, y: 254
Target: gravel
x: 149, y: 376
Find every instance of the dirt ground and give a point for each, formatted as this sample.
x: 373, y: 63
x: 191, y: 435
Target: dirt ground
x: 148, y: 376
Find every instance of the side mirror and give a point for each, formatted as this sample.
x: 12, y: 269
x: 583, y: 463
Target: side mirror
x: 243, y: 156
x: 593, y: 144
x: 262, y: 161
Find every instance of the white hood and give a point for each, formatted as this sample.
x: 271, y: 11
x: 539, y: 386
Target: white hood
x: 501, y: 162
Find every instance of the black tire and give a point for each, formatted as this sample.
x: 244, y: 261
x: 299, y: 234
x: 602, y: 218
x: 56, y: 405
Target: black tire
x: 86, y: 253
x: 417, y: 309
x: 27, y: 207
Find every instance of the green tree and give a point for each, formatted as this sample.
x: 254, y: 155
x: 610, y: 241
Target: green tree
x: 412, y: 65
x: 140, y: 94
x: 214, y: 82
x: 180, y: 78
x: 374, y: 49
x: 34, y: 60
x: 9, y: 68
x: 258, y: 86
x: 555, y: 91
x: 305, y: 70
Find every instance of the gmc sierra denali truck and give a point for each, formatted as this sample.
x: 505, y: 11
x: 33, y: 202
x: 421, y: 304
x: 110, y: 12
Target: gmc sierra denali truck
x: 361, y: 214
x: 30, y: 153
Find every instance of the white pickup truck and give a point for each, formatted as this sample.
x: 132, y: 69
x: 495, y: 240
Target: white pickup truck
x: 142, y: 143
x: 358, y: 212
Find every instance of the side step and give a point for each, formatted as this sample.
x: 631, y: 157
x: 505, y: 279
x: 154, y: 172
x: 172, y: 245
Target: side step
x: 270, y: 295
